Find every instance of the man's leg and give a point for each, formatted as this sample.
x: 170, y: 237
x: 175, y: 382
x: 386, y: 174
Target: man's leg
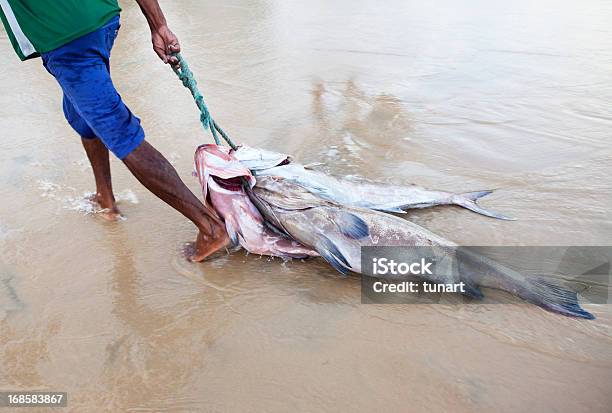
x: 99, y: 159
x: 158, y: 176
x: 81, y: 69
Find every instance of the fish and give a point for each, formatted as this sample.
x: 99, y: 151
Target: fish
x: 338, y: 233
x: 223, y: 179
x: 359, y: 192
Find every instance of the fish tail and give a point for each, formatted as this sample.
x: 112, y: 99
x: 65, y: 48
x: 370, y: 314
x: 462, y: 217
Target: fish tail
x: 551, y: 294
x: 468, y: 200
x: 554, y: 296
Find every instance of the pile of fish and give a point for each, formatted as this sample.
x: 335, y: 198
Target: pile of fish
x: 273, y: 206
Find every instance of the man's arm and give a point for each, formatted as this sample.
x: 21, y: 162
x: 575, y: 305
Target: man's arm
x: 164, y: 41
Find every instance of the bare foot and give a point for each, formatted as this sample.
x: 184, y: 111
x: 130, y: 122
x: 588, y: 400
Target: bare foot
x: 206, y: 245
x: 111, y: 215
x: 108, y: 208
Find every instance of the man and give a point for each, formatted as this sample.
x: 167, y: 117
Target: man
x: 74, y: 39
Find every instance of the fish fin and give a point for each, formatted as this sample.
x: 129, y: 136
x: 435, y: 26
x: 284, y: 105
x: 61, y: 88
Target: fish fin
x: 330, y: 253
x: 382, y: 208
x: 468, y: 200
x: 352, y: 226
x: 475, y: 195
x: 472, y: 290
x: 231, y: 231
x: 552, y: 295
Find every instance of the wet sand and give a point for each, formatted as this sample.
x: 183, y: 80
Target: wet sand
x: 458, y: 97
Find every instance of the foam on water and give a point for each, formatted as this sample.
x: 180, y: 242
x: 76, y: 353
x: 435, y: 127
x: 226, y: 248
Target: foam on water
x: 48, y: 188
x: 83, y: 203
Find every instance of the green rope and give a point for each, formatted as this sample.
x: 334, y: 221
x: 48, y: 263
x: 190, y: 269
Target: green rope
x: 186, y: 76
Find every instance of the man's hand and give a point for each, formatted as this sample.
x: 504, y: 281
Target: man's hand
x: 164, y: 41
x: 164, y: 44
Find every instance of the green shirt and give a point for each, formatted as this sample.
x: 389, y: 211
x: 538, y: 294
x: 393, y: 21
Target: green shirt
x: 38, y: 26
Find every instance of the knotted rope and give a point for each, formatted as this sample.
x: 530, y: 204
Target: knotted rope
x: 186, y: 76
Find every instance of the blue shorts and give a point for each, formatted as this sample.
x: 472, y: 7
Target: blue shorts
x: 92, y: 106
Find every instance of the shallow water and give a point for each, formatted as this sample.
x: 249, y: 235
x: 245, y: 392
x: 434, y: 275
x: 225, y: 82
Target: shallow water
x: 452, y: 96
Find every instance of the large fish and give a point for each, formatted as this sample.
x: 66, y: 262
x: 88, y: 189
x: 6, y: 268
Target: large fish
x: 223, y: 179
x: 338, y: 232
x: 358, y: 192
